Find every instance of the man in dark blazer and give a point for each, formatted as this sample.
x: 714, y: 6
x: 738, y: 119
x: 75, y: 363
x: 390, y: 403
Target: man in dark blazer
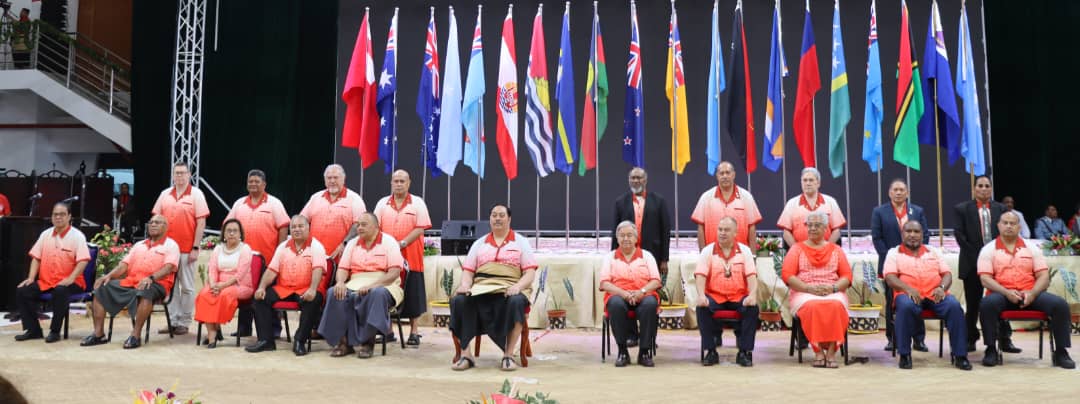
x: 654, y: 225
x: 885, y: 225
x: 976, y: 225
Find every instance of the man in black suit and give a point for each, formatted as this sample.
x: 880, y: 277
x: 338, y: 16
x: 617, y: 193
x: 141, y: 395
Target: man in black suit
x: 649, y: 212
x: 976, y: 225
x: 885, y: 225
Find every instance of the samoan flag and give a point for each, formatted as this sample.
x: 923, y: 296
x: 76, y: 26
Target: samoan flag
x: 386, y: 99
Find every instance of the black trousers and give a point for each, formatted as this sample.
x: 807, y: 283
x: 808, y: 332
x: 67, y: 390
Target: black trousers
x: 27, y: 299
x: 1054, y: 306
x: 647, y: 317
x: 265, y: 318
x: 920, y: 326
x: 245, y: 317
x: 973, y: 296
x: 744, y: 333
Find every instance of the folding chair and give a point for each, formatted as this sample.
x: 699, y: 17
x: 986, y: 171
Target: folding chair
x: 524, y: 351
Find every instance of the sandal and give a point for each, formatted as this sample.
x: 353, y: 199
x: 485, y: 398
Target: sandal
x: 342, y: 350
x: 132, y: 342
x: 465, y: 363
x: 414, y: 340
x: 831, y: 364
x: 508, y: 364
x: 820, y: 363
x: 92, y: 340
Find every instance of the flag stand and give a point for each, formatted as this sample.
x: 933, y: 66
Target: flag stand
x: 448, y: 177
x: 596, y: 128
x: 847, y: 189
x: 674, y: 133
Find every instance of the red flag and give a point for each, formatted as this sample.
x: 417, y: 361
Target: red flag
x: 361, y: 128
x: 506, y: 108
x: 809, y: 84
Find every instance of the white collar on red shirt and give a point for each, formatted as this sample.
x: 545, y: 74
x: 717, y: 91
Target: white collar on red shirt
x: 490, y: 239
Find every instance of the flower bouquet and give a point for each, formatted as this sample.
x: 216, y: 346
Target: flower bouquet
x: 1062, y: 245
x: 111, y: 250
x: 431, y: 247
x: 509, y: 394
x: 161, y: 396
x: 768, y: 245
x: 209, y: 242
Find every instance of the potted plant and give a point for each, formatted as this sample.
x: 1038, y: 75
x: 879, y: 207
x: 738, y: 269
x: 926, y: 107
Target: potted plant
x: 769, y: 312
x: 671, y: 314
x: 863, y: 316
x: 556, y: 311
x: 440, y: 309
x: 1068, y: 280
x: 1062, y: 245
x: 768, y: 246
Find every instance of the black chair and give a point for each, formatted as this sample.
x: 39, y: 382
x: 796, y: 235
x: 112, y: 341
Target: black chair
x: 796, y: 340
x: 164, y: 303
x: 89, y: 274
x: 605, y: 339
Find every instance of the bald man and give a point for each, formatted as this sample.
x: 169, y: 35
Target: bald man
x: 726, y: 200
x: 405, y: 217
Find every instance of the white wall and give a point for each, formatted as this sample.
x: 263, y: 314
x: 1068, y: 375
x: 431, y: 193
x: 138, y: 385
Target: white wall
x: 42, y: 150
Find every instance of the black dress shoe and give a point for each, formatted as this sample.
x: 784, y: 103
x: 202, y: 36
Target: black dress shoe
x: 53, y: 337
x: 711, y: 358
x: 240, y: 334
x: 261, y: 346
x: 1061, y: 358
x: 299, y: 347
x: 622, y: 360
x: 905, y: 361
x: 888, y: 346
x: 992, y: 357
x: 631, y: 342
x: 971, y: 347
x: 919, y: 346
x: 211, y: 345
x: 1007, y: 346
x: 645, y: 359
x: 744, y: 359
x: 29, y: 335
x: 962, y: 363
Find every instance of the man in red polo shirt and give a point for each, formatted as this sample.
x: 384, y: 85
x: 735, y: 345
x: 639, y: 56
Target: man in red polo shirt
x: 726, y: 279
x: 726, y: 200
x: 184, y: 206
x: 333, y: 212
x: 1017, y: 278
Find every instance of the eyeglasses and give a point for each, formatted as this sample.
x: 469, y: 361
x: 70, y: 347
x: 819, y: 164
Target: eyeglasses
x: 232, y: 230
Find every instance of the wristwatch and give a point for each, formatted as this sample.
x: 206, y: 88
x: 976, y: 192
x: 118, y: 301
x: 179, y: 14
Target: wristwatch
x: 644, y: 291
x: 403, y: 244
x: 834, y: 289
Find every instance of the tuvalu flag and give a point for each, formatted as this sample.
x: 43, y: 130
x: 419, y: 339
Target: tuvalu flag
x: 874, y: 111
x: 594, y: 119
x: 361, y: 129
x: 809, y: 84
x: 566, y: 120
x: 740, y: 105
x: 472, y: 106
x: 909, y: 98
x: 717, y: 85
x: 676, y: 94
x: 772, y: 151
x: 839, y: 103
x: 506, y: 100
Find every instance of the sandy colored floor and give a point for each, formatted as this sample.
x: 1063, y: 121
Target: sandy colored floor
x: 565, y: 363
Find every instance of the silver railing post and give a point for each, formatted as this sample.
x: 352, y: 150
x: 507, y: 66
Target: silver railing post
x: 112, y: 83
x: 70, y: 62
x: 36, y: 45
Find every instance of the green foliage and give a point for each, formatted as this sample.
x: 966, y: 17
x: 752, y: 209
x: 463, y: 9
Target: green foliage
x: 447, y: 282
x: 569, y: 288
x: 870, y: 281
x: 509, y: 390
x: 770, y: 303
x: 1068, y: 279
x: 665, y: 296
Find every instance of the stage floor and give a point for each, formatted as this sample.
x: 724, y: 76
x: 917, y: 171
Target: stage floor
x: 566, y: 364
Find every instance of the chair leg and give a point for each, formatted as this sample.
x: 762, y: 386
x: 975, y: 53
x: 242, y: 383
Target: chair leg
x: 111, y: 318
x: 845, y: 348
x: 288, y: 332
x: 941, y: 339
x: 198, y: 334
x: 400, y: 332
x: 603, y: 341
x: 384, y: 345
x: 66, y: 326
x: 457, y: 349
x: 168, y: 321
x: 526, y: 346
x: 476, y: 352
x: 1041, y: 324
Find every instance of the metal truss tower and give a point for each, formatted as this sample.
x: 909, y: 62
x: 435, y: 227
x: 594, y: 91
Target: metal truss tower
x: 187, y: 84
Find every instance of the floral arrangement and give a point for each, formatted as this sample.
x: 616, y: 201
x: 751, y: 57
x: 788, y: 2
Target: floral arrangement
x: 431, y: 247
x: 770, y: 244
x: 1058, y: 245
x: 209, y: 242
x: 870, y: 281
x: 509, y: 394
x: 161, y: 396
x: 771, y: 304
x: 111, y: 250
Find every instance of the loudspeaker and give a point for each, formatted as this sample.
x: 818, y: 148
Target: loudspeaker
x: 459, y: 235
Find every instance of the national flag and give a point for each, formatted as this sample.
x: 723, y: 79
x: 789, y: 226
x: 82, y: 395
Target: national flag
x: 361, y: 120
x: 594, y: 118
x: 472, y: 107
x: 676, y: 93
x: 428, y: 103
x: 972, y: 144
x: 809, y: 84
x: 537, y: 101
x: 450, y: 119
x: 506, y: 101
x: 633, y: 149
x: 874, y: 112
x: 938, y: 81
x: 566, y: 122
x: 740, y: 105
x: 909, y: 98
x: 387, y: 100
x: 772, y: 151
x: 839, y: 103
x: 717, y: 85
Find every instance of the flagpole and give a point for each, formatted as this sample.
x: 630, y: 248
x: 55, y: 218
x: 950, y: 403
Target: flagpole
x: 596, y: 128
x: 986, y: 86
x: 479, y: 159
x: 568, y: 210
x: 937, y: 155
x: 537, y: 213
x: 366, y: 10
x: 448, y: 178
x: 783, y: 139
x: 847, y: 187
x: 675, y: 127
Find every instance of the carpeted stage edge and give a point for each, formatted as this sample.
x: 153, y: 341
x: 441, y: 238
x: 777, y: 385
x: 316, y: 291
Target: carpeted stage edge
x: 566, y: 363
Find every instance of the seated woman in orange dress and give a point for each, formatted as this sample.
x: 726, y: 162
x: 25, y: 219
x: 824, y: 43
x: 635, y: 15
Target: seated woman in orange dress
x: 818, y: 274
x: 227, y: 282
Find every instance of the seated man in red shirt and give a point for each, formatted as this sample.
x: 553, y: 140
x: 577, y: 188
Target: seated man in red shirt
x: 142, y: 278
x: 1016, y: 277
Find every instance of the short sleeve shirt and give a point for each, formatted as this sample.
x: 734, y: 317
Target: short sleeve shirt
x: 5, y: 206
x: 725, y: 275
x: 147, y: 257
x: 58, y: 253
x: 182, y: 212
x: 922, y: 269
x: 383, y: 254
x: 330, y: 221
x: 513, y: 251
x: 632, y: 274
x: 261, y: 222
x: 740, y: 205
x: 295, y: 266
x: 399, y: 221
x: 1015, y: 270
x: 793, y: 218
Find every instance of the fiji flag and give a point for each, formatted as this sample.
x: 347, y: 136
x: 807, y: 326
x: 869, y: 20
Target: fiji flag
x: 634, y: 114
x: 772, y: 154
x: 972, y: 145
x: 717, y: 85
x: 566, y: 143
x: 428, y: 101
x: 386, y: 99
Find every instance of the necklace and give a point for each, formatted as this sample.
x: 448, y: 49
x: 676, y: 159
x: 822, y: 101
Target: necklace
x: 226, y: 249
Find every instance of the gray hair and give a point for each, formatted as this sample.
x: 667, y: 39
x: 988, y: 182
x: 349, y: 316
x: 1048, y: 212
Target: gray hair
x: 727, y: 219
x: 257, y: 173
x: 811, y: 170
x: 818, y: 215
x: 299, y: 216
x: 626, y: 223
x: 1011, y: 213
x: 644, y: 174
x: 336, y: 167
